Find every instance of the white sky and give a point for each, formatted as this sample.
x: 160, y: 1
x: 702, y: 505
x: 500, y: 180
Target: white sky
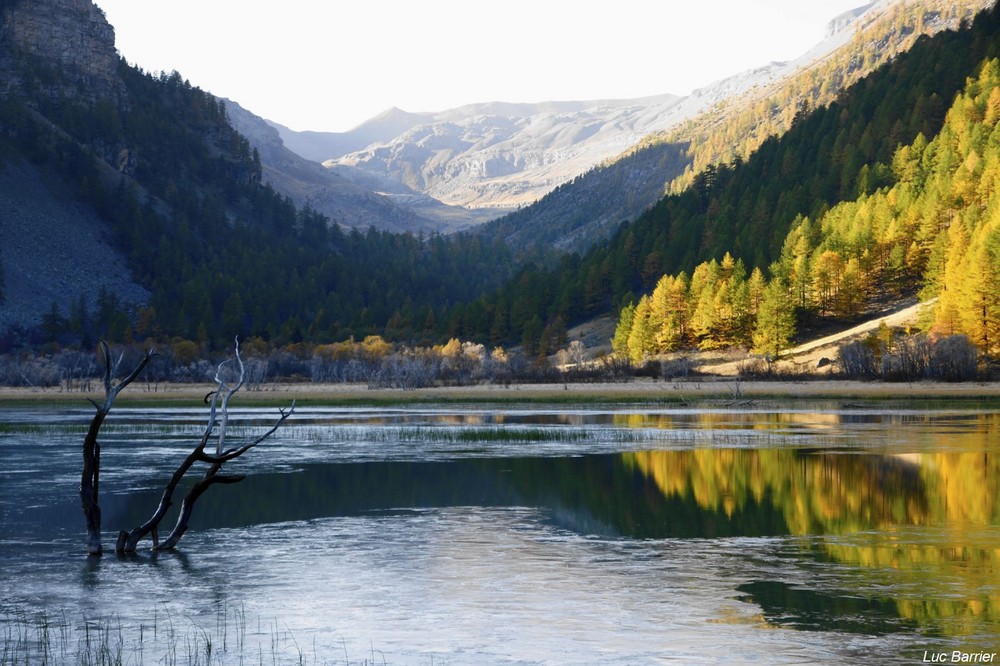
x: 331, y: 64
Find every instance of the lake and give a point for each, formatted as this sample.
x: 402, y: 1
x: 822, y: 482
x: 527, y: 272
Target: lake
x: 503, y: 535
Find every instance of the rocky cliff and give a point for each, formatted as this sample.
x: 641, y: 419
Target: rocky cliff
x: 55, y: 249
x: 71, y: 35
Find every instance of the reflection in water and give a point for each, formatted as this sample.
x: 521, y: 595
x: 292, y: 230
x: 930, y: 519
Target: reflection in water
x: 867, y: 506
x: 861, y: 506
x: 819, y: 611
x: 598, y: 494
x: 839, y: 523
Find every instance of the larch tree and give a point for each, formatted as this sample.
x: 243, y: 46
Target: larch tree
x: 775, y: 320
x: 641, y: 337
x: 619, y: 343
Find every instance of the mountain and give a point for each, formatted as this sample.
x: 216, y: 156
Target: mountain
x: 131, y: 209
x: 349, y: 198
x: 830, y: 155
x: 150, y: 218
x: 321, y: 146
x: 744, y: 111
x: 487, y: 159
x: 499, y: 156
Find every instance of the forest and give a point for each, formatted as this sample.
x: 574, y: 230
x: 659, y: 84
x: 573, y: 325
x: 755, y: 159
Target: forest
x: 221, y: 252
x: 885, y: 192
x: 838, y: 154
x: 938, y: 225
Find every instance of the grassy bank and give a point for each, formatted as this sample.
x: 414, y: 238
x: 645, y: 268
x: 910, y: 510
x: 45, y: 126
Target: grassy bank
x: 644, y: 392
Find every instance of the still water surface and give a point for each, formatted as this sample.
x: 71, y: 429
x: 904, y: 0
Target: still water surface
x: 507, y: 536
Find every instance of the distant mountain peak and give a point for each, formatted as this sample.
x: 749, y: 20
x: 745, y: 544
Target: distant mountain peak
x: 842, y: 21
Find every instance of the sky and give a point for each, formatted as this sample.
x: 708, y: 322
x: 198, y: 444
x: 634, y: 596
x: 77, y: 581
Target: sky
x: 329, y: 65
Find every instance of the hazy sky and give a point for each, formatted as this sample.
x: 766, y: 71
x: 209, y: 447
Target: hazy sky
x: 329, y: 65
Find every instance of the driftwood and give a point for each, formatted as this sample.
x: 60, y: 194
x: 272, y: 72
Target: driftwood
x: 215, y: 432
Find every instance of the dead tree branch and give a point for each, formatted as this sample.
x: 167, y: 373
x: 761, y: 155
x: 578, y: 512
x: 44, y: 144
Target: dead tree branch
x: 218, y: 422
x: 91, y: 475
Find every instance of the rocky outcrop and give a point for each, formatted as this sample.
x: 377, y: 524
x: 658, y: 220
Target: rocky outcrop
x: 843, y: 21
x: 72, y: 35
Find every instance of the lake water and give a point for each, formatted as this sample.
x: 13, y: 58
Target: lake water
x: 477, y: 535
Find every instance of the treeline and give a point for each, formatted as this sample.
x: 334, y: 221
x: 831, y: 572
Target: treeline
x: 718, y: 307
x: 938, y: 225
x: 372, y: 361
x: 748, y: 208
x: 221, y: 253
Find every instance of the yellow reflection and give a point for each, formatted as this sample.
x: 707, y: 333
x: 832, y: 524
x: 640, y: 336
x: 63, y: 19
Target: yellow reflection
x: 926, y: 525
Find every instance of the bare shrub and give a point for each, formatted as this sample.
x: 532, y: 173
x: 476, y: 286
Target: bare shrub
x: 909, y: 359
x: 755, y: 367
x: 857, y: 359
x: 615, y: 368
x: 30, y: 371
x: 405, y: 372
x: 652, y: 369
x: 676, y: 368
x: 953, y: 359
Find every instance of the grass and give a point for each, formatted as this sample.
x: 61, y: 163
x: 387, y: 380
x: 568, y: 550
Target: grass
x: 707, y: 392
x: 43, y: 639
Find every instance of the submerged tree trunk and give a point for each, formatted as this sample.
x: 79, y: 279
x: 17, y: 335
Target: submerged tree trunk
x: 218, y: 422
x: 91, y: 476
x: 215, y: 431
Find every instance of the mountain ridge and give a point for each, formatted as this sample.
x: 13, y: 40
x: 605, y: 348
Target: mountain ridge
x: 503, y: 155
x: 736, y: 123
x: 344, y: 196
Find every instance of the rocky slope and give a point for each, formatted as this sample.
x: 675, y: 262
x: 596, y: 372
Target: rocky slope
x: 350, y: 198
x: 500, y: 156
x: 55, y: 250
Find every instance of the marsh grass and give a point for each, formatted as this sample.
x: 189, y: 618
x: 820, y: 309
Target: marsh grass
x: 231, y: 637
x: 41, y: 428
x: 623, y: 437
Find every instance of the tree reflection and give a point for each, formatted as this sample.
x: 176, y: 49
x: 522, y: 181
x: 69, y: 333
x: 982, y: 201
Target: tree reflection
x: 925, y: 525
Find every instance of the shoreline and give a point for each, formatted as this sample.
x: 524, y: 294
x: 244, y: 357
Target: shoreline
x: 640, y: 391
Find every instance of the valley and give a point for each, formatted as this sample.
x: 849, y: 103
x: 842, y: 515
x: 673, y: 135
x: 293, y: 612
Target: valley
x: 704, y: 378
x: 217, y: 227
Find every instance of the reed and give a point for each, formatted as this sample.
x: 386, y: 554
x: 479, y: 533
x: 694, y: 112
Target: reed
x: 232, y: 637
